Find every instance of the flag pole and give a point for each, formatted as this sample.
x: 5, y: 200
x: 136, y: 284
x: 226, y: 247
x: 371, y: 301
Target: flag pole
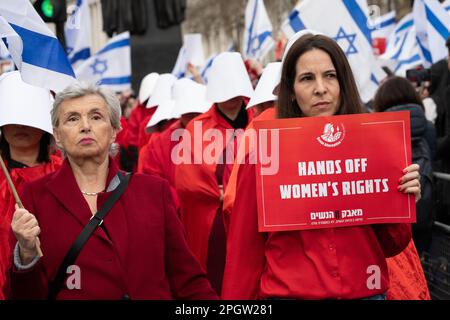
x: 16, y: 195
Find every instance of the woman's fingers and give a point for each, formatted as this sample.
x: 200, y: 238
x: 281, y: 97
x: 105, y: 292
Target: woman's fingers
x: 409, y: 176
x: 409, y: 184
x: 19, y: 213
x: 30, y: 224
x: 26, y: 229
x: 413, y: 167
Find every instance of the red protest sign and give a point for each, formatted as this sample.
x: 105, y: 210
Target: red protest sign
x: 333, y: 171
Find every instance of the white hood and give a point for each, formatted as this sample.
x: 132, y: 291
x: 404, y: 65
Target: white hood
x: 266, y: 85
x: 190, y: 97
x: 228, y: 78
x: 147, y: 86
x: 24, y: 104
x: 162, y: 91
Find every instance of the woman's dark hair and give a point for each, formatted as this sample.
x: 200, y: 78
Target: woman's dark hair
x: 395, y: 91
x: 44, y: 146
x: 350, y: 102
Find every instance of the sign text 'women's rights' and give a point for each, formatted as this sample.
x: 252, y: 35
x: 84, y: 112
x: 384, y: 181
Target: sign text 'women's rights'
x: 336, y: 171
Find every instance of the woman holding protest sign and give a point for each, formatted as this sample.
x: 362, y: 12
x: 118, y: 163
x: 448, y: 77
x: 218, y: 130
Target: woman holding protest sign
x: 330, y: 263
x: 25, y: 147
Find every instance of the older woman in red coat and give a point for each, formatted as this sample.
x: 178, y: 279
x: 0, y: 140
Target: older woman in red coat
x: 138, y: 252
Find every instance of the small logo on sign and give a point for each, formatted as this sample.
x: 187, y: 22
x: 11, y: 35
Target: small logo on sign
x: 332, y: 135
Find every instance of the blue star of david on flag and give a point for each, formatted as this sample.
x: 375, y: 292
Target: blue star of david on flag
x: 350, y: 38
x: 5, y: 41
x: 99, y: 67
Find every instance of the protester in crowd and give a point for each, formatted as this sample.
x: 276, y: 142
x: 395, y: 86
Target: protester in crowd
x: 440, y: 93
x: 161, y: 99
x: 200, y: 184
x: 126, y: 100
x: 137, y: 117
x: 262, y: 97
x: 25, y: 147
x: 137, y: 252
x: 407, y: 280
x: 263, y: 104
x: 328, y: 263
x: 255, y: 70
x: 163, y: 150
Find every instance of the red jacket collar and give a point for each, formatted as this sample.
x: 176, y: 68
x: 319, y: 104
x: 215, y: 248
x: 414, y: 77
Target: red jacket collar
x: 65, y: 189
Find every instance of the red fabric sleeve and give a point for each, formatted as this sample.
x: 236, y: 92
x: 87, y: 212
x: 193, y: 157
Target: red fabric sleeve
x: 151, y: 160
x: 406, y: 278
x: 143, y: 137
x: 122, y: 136
x: 245, y: 245
x: 187, y: 279
x: 393, y: 238
x: 133, y: 126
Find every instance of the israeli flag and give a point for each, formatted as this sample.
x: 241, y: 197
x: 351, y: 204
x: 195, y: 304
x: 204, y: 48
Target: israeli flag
x: 78, y: 34
x: 402, y: 48
x: 258, y: 31
x: 383, y: 26
x: 347, y: 23
x: 4, y: 53
x: 179, y: 70
x: 292, y: 24
x: 446, y: 5
x: 204, y: 71
x: 35, y: 50
x: 432, y: 30
x: 6, y: 62
x: 111, y: 66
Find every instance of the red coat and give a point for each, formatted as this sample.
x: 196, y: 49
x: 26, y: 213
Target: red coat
x: 230, y: 191
x: 158, y: 156
x: 122, y: 136
x: 144, y: 257
x: 137, y: 117
x: 144, y: 137
x: 198, y: 189
x: 7, y: 202
x: 143, y: 153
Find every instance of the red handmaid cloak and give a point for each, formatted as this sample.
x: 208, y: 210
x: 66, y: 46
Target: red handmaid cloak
x: 7, y: 202
x: 157, y: 157
x: 197, y: 185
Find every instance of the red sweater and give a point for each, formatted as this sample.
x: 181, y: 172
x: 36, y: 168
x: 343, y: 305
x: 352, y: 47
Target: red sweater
x: 7, y: 202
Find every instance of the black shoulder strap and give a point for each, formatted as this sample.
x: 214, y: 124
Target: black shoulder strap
x: 56, y: 285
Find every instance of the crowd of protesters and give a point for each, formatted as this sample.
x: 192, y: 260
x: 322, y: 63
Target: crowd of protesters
x: 186, y: 228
